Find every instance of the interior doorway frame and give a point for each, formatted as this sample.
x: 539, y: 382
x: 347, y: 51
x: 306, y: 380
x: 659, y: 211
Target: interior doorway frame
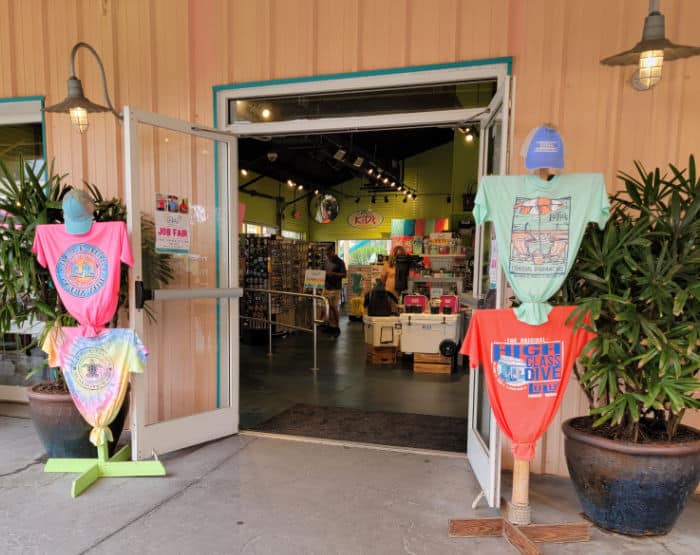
x: 498, y: 68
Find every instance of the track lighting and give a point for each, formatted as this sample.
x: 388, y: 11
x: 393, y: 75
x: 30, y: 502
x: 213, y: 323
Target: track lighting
x: 405, y: 199
x: 316, y: 191
x: 340, y: 154
x: 244, y: 172
x: 393, y: 183
x: 300, y: 187
x: 358, y: 162
x: 414, y: 196
x: 370, y: 171
x: 290, y: 182
x: 386, y: 180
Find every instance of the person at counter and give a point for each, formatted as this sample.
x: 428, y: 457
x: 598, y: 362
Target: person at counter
x: 380, y: 302
x: 394, y: 283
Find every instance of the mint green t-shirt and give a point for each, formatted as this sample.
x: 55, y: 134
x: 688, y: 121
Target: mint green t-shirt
x: 539, y: 226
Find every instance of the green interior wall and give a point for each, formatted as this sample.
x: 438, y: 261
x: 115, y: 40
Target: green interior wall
x: 262, y: 210
x: 434, y: 174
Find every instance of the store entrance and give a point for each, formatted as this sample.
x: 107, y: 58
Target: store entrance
x: 450, y: 96
x: 366, y: 390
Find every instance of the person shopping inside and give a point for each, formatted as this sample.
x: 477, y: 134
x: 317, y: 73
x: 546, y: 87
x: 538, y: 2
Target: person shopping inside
x: 388, y: 275
x: 335, y: 272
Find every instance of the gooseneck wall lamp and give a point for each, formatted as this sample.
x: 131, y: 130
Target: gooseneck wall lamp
x: 651, y: 51
x: 75, y: 103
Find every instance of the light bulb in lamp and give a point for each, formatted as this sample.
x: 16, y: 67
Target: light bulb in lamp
x: 79, y: 119
x: 650, y: 64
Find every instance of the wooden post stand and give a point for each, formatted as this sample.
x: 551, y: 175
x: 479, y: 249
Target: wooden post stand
x: 104, y: 467
x: 514, y: 524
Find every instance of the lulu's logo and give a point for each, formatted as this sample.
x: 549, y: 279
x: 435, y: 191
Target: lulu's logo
x: 365, y: 218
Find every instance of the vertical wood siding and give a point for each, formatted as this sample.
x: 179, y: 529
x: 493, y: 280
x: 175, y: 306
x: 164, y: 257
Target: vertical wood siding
x: 165, y: 56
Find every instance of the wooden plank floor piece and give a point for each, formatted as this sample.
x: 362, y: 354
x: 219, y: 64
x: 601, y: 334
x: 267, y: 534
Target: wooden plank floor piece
x: 558, y: 533
x: 519, y: 540
x: 475, y: 527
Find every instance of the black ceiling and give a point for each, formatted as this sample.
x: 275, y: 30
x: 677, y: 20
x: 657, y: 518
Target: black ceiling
x: 310, y: 160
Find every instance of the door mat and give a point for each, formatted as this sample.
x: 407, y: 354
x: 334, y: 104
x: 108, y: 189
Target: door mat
x: 384, y: 428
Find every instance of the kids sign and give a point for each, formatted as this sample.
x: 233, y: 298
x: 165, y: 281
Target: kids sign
x: 172, y: 224
x: 365, y: 219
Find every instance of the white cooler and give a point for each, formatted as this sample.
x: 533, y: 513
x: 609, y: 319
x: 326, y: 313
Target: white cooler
x: 382, y: 331
x: 423, y: 333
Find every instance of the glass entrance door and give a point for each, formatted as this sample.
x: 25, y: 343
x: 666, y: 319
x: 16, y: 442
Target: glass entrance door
x: 180, y: 203
x: 483, y: 435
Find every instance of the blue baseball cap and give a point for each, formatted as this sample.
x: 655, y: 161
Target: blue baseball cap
x: 543, y: 148
x: 78, y: 209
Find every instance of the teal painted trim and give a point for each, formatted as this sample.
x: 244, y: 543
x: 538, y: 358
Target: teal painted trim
x: 173, y: 251
x: 43, y: 129
x: 41, y: 99
x: 22, y: 99
x: 217, y: 265
x: 508, y: 60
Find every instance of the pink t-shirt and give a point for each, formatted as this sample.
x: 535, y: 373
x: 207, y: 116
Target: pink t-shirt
x: 85, y: 269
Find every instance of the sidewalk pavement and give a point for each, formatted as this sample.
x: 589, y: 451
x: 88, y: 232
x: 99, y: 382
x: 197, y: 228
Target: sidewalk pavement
x: 256, y: 495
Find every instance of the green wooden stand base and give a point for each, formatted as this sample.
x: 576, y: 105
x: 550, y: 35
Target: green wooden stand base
x: 104, y: 467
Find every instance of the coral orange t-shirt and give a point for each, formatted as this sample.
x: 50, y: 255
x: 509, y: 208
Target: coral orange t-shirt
x: 526, y: 369
x: 85, y: 269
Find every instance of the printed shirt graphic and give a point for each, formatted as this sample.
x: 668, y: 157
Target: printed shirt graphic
x: 85, y: 269
x: 96, y: 370
x: 526, y: 369
x: 539, y: 226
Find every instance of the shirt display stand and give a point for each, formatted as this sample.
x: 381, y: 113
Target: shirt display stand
x: 514, y: 524
x: 117, y: 466
x: 78, y: 209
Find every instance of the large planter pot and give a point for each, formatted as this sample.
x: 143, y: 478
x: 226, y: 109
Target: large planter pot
x: 62, y: 429
x: 634, y: 489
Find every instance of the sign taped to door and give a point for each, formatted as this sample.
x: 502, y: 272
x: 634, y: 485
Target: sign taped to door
x: 172, y: 222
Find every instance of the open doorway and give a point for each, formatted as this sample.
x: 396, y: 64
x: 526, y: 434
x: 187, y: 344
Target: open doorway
x: 340, y: 119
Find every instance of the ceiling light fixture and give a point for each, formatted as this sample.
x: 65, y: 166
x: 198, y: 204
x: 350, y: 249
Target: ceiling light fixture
x: 290, y: 183
x: 300, y: 187
x: 370, y: 171
x: 75, y: 102
x: 386, y: 180
x: 405, y: 199
x: 316, y: 191
x: 414, y: 196
x: 651, y: 51
x: 393, y: 183
x: 266, y: 113
x: 340, y: 154
x: 244, y: 172
x: 358, y: 162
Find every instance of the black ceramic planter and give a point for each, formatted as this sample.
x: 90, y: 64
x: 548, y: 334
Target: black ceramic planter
x: 633, y: 489
x: 62, y: 429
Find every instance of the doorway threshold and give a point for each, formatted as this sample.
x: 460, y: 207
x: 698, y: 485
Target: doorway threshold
x: 356, y: 444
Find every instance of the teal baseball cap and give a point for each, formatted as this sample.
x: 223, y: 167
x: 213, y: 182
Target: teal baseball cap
x: 543, y: 148
x: 78, y: 209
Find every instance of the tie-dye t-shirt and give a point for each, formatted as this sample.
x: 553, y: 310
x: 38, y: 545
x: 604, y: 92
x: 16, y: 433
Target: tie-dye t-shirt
x: 85, y: 269
x: 96, y: 370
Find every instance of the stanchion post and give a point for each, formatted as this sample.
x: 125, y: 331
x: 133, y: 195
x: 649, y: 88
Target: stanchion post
x: 269, y: 324
x: 313, y: 319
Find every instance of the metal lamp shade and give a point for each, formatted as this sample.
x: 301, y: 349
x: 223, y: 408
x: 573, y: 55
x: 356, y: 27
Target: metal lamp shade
x: 653, y: 38
x: 76, y: 99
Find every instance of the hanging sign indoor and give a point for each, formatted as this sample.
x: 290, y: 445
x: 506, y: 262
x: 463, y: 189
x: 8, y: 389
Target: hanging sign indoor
x: 172, y: 224
x: 365, y: 219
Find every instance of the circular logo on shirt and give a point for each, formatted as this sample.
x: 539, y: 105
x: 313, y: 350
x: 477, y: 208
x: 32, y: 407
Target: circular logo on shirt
x: 510, y: 372
x: 82, y: 270
x: 93, y: 368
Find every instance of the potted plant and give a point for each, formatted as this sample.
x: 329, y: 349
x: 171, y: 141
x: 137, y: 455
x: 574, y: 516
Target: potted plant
x: 632, y: 462
x: 28, y: 198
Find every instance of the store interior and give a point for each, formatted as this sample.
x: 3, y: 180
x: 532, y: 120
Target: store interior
x: 413, y: 184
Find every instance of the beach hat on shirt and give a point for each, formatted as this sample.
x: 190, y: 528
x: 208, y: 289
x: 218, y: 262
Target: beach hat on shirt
x: 543, y: 148
x: 78, y: 209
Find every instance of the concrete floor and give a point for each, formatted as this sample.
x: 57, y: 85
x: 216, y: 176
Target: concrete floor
x: 271, y: 385
x: 253, y: 495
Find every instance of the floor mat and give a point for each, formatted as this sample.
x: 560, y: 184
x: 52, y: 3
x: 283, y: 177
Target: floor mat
x: 384, y: 428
